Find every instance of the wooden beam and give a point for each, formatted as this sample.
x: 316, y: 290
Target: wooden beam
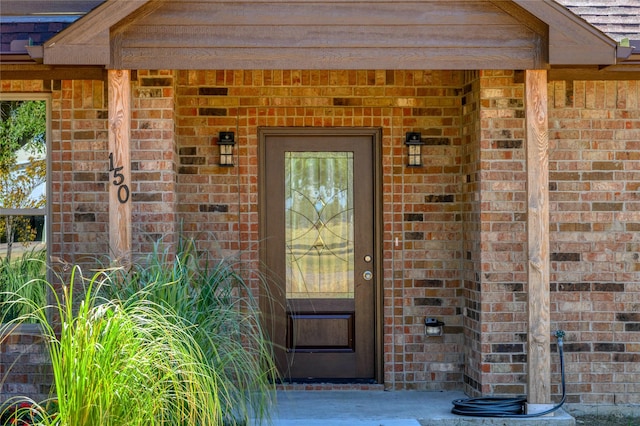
x: 614, y: 72
x: 46, y: 72
x: 120, y: 166
x: 538, y: 345
x: 326, y: 58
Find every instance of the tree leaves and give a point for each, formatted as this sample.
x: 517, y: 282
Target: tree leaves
x: 23, y: 128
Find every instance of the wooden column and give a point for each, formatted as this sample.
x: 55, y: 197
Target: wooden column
x: 120, y: 166
x: 538, y: 350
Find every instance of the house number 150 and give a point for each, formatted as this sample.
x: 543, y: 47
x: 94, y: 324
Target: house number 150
x: 118, y: 180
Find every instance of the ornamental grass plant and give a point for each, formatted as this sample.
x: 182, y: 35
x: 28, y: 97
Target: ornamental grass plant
x: 120, y: 363
x: 212, y: 296
x: 173, y: 340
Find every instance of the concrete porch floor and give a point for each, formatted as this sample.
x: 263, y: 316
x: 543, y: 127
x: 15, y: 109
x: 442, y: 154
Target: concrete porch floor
x: 386, y: 408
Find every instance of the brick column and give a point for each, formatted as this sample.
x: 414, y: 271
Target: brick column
x: 501, y: 306
x: 153, y: 161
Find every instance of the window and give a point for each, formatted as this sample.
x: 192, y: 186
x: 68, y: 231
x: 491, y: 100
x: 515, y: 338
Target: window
x: 24, y: 135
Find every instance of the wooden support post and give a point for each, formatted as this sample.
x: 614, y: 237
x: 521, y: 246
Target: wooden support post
x: 538, y: 350
x: 120, y: 166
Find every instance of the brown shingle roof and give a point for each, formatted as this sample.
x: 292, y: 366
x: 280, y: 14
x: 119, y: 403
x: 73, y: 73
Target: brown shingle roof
x: 617, y: 18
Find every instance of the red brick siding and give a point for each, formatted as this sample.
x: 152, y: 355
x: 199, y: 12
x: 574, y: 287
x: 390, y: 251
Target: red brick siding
x: 502, y: 186
x: 460, y: 221
x: 593, y: 128
x: 153, y: 161
x: 79, y: 192
x: 79, y: 184
x: 80, y: 178
x: 25, y: 369
x: 595, y: 211
x: 78, y: 131
x: 471, y: 249
x: 421, y: 206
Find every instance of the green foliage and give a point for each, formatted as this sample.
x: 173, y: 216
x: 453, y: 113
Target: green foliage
x: 175, y: 340
x: 211, y: 295
x: 18, y: 184
x: 23, y: 278
x: 115, y: 363
x: 22, y: 123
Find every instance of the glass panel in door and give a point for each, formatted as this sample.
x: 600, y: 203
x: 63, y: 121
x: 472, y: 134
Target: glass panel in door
x: 319, y: 225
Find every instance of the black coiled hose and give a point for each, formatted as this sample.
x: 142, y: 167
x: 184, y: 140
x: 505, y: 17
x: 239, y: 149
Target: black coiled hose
x: 508, y: 407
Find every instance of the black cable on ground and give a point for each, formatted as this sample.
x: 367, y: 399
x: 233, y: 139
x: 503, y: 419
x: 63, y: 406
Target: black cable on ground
x: 508, y: 407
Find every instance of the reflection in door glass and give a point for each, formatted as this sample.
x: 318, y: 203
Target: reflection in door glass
x: 319, y: 224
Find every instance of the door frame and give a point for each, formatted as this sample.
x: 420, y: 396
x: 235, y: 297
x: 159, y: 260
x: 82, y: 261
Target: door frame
x: 376, y: 137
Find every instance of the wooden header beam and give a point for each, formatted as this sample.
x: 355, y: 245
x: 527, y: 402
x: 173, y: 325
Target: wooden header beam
x: 120, y: 166
x: 32, y: 71
x: 538, y: 345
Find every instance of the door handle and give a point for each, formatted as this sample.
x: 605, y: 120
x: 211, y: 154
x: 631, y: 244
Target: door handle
x: 367, y: 275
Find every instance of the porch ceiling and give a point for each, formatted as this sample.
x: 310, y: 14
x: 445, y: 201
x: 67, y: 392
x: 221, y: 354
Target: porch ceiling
x: 305, y: 34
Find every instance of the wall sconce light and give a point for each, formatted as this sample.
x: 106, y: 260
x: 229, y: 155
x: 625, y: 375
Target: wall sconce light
x: 414, y: 143
x: 226, y: 140
x: 433, y: 327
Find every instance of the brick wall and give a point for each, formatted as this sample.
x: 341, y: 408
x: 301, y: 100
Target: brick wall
x: 24, y: 365
x: 153, y: 161
x: 80, y: 161
x: 79, y: 171
x: 471, y: 249
x: 460, y: 221
x: 79, y: 218
x: 595, y: 212
x: 78, y: 197
x: 502, y: 267
x: 421, y: 204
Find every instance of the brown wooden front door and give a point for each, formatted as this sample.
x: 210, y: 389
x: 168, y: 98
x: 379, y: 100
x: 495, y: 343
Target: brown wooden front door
x: 318, y: 246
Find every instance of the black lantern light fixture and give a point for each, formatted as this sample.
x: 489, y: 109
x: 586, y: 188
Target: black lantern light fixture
x: 433, y: 327
x: 414, y: 143
x: 226, y: 140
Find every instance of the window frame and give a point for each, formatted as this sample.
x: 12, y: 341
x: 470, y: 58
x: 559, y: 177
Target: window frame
x: 46, y: 211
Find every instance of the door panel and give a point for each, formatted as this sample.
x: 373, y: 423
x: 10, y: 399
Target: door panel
x: 318, y: 246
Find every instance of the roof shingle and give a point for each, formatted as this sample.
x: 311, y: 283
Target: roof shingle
x: 617, y: 18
